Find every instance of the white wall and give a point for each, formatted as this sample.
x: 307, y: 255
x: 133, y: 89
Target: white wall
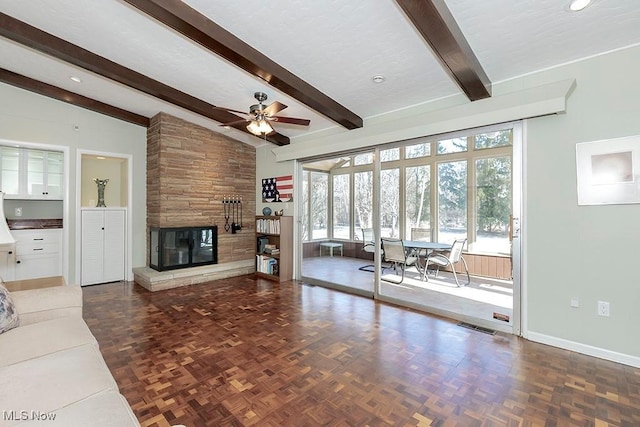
x: 587, y: 252
x: 32, y: 118
x: 267, y: 167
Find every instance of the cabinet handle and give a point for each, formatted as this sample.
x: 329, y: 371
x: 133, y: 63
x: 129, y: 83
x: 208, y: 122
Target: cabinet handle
x: 18, y: 262
x: 39, y: 249
x: 39, y: 239
x: 10, y: 252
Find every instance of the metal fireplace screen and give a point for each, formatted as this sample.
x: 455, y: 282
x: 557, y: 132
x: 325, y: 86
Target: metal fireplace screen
x: 183, y: 247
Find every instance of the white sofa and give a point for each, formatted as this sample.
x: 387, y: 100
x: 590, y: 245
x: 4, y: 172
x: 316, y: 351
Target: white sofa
x: 51, y: 367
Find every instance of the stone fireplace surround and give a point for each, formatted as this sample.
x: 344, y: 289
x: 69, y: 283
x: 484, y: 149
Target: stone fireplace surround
x: 189, y: 170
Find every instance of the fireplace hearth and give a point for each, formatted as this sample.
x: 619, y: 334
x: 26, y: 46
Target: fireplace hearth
x: 183, y: 247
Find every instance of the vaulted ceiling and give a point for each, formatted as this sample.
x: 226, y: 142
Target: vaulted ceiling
x: 135, y: 58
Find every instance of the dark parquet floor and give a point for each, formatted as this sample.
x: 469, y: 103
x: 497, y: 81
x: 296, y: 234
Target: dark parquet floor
x: 244, y: 351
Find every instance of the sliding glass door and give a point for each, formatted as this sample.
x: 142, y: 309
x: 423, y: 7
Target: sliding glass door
x: 427, y: 194
x: 337, y: 223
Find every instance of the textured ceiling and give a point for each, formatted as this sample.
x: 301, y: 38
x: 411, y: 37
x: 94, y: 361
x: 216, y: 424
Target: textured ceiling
x: 336, y: 46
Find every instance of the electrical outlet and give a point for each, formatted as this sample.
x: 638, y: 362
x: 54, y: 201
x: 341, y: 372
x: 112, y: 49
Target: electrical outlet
x: 575, y: 302
x: 603, y: 308
x: 18, y: 211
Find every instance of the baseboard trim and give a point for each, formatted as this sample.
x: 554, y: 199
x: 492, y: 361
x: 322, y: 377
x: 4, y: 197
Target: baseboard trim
x: 589, y: 350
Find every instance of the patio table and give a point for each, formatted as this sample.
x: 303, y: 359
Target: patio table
x: 419, y: 246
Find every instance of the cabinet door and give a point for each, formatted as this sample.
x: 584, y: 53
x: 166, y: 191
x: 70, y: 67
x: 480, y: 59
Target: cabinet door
x: 36, y: 266
x: 54, y: 172
x: 7, y: 264
x: 35, y: 173
x: 114, y: 256
x: 10, y: 177
x: 44, y: 174
x: 92, y: 247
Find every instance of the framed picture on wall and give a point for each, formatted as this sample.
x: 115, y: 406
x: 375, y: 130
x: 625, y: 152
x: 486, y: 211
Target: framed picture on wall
x: 608, y: 171
x: 277, y: 189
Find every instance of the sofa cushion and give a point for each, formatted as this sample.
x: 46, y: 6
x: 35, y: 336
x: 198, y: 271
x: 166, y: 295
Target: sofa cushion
x: 39, y: 339
x: 37, y: 305
x: 106, y: 409
x: 52, y: 382
x: 8, y: 312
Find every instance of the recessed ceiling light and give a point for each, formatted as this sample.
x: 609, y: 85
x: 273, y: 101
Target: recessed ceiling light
x: 378, y: 78
x: 577, y: 5
x: 75, y: 79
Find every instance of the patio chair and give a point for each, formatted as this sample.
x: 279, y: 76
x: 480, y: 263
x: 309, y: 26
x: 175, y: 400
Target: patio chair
x: 395, y: 253
x: 441, y: 260
x: 369, y: 246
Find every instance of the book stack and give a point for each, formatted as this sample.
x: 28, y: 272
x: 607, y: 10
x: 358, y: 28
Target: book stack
x: 269, y: 226
x: 267, y: 265
x: 271, y: 249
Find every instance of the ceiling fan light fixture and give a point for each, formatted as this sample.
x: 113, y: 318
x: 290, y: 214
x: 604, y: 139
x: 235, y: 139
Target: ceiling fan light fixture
x: 259, y: 127
x: 578, y: 5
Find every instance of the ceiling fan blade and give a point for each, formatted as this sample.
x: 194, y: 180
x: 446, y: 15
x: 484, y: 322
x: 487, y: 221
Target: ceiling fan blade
x: 274, y: 108
x: 231, y: 110
x: 291, y: 120
x: 235, y: 122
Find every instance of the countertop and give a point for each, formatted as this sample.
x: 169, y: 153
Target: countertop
x: 33, y: 224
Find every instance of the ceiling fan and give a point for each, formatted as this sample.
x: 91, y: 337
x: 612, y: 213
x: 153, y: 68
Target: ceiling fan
x: 261, y: 115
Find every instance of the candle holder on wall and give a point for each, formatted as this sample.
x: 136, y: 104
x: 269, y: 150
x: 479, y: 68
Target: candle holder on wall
x: 232, y: 212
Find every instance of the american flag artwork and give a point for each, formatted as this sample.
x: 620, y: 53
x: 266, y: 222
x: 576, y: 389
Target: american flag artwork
x: 278, y: 189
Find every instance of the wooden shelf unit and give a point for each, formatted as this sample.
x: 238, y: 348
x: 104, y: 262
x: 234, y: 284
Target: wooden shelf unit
x: 277, y: 230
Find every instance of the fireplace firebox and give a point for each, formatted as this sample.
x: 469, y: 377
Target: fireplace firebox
x: 183, y: 247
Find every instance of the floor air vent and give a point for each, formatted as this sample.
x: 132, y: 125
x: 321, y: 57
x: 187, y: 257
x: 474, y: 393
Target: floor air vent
x: 477, y: 328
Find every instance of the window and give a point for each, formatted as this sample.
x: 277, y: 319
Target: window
x: 418, y: 203
x: 390, y: 203
x: 500, y: 138
x: 463, y: 191
x: 341, y: 206
x: 493, y: 204
x: 455, y: 145
x: 390, y: 155
x: 418, y: 150
x: 363, y: 203
x: 452, y: 201
x: 363, y: 159
x: 305, y: 206
x: 319, y: 198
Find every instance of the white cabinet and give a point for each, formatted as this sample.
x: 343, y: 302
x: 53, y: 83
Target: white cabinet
x: 44, y: 174
x: 31, y: 174
x: 38, y: 253
x: 7, y: 262
x: 103, y: 246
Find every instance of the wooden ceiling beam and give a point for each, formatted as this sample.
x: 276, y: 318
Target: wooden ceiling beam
x: 440, y: 30
x: 197, y: 27
x: 64, y: 95
x: 39, y: 40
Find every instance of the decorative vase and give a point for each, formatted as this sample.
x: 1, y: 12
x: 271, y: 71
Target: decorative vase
x: 266, y: 211
x: 101, y: 183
